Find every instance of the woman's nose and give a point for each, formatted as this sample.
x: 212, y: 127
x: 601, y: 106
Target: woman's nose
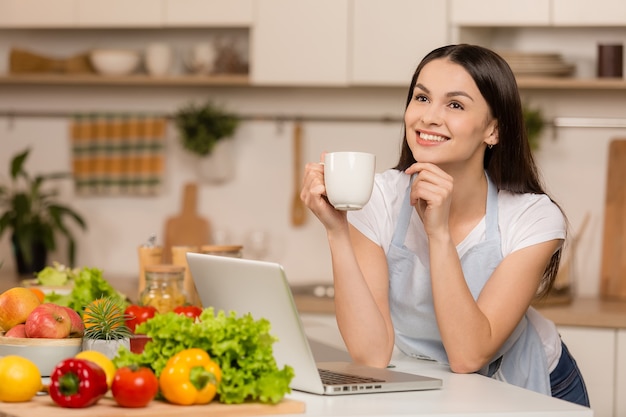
x: 432, y: 115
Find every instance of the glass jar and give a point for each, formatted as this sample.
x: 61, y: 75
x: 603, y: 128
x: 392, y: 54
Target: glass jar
x: 233, y: 251
x: 164, y: 287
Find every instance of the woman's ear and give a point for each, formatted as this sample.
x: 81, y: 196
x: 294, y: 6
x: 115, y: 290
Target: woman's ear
x: 493, y: 137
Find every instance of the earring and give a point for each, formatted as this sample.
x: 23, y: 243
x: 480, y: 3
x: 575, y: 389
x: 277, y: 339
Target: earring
x: 490, y: 146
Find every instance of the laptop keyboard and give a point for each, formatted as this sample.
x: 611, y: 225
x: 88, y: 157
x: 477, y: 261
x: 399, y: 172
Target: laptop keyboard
x: 336, y: 378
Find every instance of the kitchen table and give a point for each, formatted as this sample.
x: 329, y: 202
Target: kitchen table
x: 461, y: 395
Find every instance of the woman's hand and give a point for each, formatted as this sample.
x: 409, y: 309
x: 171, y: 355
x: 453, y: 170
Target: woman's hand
x: 431, y: 195
x: 313, y: 195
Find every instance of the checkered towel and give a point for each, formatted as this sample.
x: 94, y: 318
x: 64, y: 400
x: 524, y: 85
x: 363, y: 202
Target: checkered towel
x: 118, y: 154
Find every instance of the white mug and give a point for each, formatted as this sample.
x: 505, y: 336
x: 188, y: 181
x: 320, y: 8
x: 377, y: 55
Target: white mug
x: 349, y: 179
x: 158, y: 59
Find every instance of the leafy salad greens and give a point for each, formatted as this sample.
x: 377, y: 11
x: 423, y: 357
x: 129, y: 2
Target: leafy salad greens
x: 242, y: 347
x: 88, y: 285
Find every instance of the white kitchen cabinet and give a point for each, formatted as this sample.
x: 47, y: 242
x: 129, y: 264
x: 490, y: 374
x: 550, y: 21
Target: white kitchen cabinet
x: 620, y: 375
x: 37, y: 13
x: 500, y: 12
x: 585, y: 13
x: 389, y: 38
x: 120, y: 13
x: 594, y: 351
x: 300, y: 42
x: 213, y: 13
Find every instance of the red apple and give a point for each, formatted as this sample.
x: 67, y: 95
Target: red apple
x: 15, y: 306
x: 77, y: 328
x: 16, y: 331
x: 50, y: 321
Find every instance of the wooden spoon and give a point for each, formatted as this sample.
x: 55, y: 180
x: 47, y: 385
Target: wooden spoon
x: 298, y: 209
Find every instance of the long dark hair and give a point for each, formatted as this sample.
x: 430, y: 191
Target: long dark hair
x: 510, y: 162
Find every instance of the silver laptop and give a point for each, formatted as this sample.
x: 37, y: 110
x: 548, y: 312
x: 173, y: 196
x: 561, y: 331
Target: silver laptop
x: 261, y: 289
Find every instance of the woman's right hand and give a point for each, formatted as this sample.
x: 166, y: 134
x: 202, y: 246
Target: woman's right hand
x: 313, y: 195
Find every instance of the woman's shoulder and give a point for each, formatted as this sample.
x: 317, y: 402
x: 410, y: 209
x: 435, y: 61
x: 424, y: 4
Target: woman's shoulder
x: 518, y: 204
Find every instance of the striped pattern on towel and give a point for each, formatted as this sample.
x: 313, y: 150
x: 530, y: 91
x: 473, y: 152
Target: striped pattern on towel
x: 118, y: 154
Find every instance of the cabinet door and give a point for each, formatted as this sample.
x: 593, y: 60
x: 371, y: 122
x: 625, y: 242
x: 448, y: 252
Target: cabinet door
x: 620, y: 380
x: 499, y: 12
x: 300, y: 42
x: 390, y: 38
x: 594, y: 352
x: 213, y: 13
x: 37, y: 13
x: 585, y: 13
x: 120, y: 13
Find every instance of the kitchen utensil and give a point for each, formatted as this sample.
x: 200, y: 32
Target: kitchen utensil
x: 158, y: 58
x: 298, y: 209
x: 610, y: 60
x: 43, y: 406
x: 186, y: 228
x: 115, y: 61
x: 44, y: 353
x: 23, y: 62
x: 613, y: 275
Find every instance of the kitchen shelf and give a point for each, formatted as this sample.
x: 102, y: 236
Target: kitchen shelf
x: 570, y: 83
x: 127, y: 80
x: 243, y: 80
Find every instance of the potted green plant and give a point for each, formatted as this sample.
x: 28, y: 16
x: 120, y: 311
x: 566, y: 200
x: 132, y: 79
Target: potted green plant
x: 34, y: 216
x: 533, y: 119
x: 204, y: 130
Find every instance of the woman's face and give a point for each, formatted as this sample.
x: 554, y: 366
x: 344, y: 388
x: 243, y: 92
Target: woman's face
x: 448, y: 121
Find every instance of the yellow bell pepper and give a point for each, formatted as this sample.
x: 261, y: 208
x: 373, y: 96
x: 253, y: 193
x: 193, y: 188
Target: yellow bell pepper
x: 190, y: 377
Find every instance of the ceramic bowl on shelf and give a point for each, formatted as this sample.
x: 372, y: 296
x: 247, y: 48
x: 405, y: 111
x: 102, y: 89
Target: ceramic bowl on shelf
x: 115, y: 61
x: 45, y: 353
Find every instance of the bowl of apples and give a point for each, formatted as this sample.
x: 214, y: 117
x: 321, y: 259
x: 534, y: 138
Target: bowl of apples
x: 44, y: 333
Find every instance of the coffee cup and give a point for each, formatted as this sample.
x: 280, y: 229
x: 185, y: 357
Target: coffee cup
x: 349, y: 178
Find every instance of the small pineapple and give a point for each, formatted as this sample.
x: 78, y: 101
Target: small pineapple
x: 104, y: 320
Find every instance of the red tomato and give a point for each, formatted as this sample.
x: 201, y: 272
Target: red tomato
x: 136, y: 315
x: 189, y: 311
x: 134, y: 386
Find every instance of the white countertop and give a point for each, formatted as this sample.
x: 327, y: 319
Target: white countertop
x: 461, y: 395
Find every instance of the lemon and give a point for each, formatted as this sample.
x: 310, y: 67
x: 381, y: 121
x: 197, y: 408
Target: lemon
x: 19, y: 379
x: 101, y: 360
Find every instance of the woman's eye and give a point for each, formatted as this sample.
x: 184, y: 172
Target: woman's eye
x: 421, y: 97
x: 456, y: 105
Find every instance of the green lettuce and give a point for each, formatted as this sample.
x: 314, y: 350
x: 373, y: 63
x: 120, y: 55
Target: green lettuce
x: 89, y: 285
x: 242, y: 347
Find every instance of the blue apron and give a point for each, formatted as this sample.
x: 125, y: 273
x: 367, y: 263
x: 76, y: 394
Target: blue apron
x: 520, y: 361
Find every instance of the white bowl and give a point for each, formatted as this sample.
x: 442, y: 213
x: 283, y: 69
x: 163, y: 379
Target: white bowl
x: 115, y: 61
x: 45, y: 353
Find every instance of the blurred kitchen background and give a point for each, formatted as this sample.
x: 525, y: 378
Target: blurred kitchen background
x: 341, y: 68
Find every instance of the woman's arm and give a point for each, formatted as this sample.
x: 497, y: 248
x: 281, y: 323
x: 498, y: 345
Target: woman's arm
x: 360, y: 278
x: 473, y: 331
x: 362, y: 299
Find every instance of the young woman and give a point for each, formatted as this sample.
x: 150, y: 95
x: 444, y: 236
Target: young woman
x: 458, y: 239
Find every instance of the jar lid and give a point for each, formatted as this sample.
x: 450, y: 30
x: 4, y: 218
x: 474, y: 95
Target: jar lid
x: 165, y: 268
x: 220, y: 248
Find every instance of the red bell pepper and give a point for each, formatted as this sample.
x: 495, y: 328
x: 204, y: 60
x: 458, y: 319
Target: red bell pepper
x: 77, y: 383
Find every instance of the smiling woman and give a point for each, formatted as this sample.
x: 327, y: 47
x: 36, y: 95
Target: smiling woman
x: 457, y: 239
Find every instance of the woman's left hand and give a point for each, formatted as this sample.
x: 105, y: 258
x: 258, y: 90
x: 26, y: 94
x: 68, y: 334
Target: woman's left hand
x: 431, y: 195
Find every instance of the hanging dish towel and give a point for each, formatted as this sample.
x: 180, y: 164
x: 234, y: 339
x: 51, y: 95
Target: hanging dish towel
x: 118, y: 154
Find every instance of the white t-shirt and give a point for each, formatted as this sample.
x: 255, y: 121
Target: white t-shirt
x: 523, y: 219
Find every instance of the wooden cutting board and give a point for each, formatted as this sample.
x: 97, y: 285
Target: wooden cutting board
x: 187, y: 228
x: 106, y: 407
x: 613, y: 278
